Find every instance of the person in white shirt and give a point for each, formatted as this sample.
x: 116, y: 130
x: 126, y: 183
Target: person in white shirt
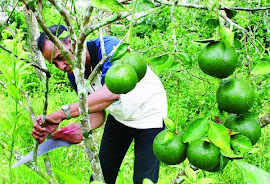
x: 137, y: 115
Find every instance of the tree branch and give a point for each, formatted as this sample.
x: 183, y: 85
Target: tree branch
x: 32, y: 64
x: 12, y: 11
x: 173, y: 28
x: 99, y: 65
x: 196, y: 6
x: 66, y: 17
x: 53, y: 38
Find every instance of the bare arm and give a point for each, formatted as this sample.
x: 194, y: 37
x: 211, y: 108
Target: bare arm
x: 97, y: 101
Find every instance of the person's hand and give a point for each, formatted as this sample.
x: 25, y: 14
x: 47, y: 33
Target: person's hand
x: 71, y: 133
x: 51, y: 123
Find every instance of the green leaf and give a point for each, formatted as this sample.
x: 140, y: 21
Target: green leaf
x: 64, y: 34
x: 10, y: 44
x: 227, y: 4
x: 185, y: 58
x: 143, y: 5
x: 170, y: 124
x: 168, y: 137
x: 227, y: 36
x: 5, y: 124
x: 147, y: 181
x: 230, y: 154
x: 165, y: 65
x: 13, y: 91
x: 120, y: 52
x: 218, y: 135
x: 261, y: 68
x: 111, y: 5
x: 6, y: 33
x: 158, y: 59
x: 196, y: 130
x: 252, y: 174
x: 69, y: 179
x: 241, y: 143
x: 191, y: 173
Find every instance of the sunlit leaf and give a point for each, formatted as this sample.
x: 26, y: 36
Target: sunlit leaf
x: 218, y: 135
x: 195, y: 130
x: 168, y: 137
x: 165, y: 65
x: 252, y: 174
x: 170, y: 124
x: 13, y: 91
x: 120, y: 52
x: 186, y: 59
x: 158, y: 59
x: 143, y: 5
x: 227, y: 36
x: 191, y: 173
x: 261, y: 68
x: 6, y: 33
x: 230, y: 154
x: 10, y: 44
x: 241, y: 143
x: 111, y: 5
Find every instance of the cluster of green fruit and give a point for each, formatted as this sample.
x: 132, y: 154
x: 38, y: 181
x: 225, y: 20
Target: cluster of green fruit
x: 234, y: 96
x: 125, y: 73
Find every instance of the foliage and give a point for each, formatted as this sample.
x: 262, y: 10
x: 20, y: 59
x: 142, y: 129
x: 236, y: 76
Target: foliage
x: 196, y: 92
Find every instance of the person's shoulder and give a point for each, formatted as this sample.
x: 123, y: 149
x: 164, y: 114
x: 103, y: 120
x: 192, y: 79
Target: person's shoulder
x: 111, y: 38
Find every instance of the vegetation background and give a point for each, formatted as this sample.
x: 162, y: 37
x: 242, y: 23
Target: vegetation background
x: 152, y: 36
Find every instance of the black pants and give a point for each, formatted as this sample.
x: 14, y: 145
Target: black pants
x: 114, y: 145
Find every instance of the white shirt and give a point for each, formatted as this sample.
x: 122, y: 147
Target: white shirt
x: 142, y: 108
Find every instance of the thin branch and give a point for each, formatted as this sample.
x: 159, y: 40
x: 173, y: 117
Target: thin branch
x: 12, y: 11
x: 87, y: 15
x: 173, y: 29
x: 196, y: 6
x: 265, y: 120
x: 53, y: 38
x: 32, y: 64
x: 103, y: 51
x: 241, y: 28
x: 99, y: 65
x: 66, y: 17
x: 248, y: 58
x: 156, y: 46
x: 200, y: 78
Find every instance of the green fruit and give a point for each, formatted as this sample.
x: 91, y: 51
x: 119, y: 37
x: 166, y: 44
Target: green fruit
x: 170, y: 153
x: 202, y: 154
x: 247, y: 126
x: 217, y: 60
x: 121, y: 78
x: 138, y: 63
x: 235, y: 96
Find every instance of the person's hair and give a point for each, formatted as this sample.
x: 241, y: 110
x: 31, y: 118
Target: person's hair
x: 53, y: 29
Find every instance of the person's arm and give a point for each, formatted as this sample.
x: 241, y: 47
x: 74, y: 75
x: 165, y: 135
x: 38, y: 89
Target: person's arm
x: 97, y: 101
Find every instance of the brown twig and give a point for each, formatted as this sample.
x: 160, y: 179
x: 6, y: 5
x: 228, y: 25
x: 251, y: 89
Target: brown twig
x: 196, y: 6
x: 173, y: 29
x: 12, y: 11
